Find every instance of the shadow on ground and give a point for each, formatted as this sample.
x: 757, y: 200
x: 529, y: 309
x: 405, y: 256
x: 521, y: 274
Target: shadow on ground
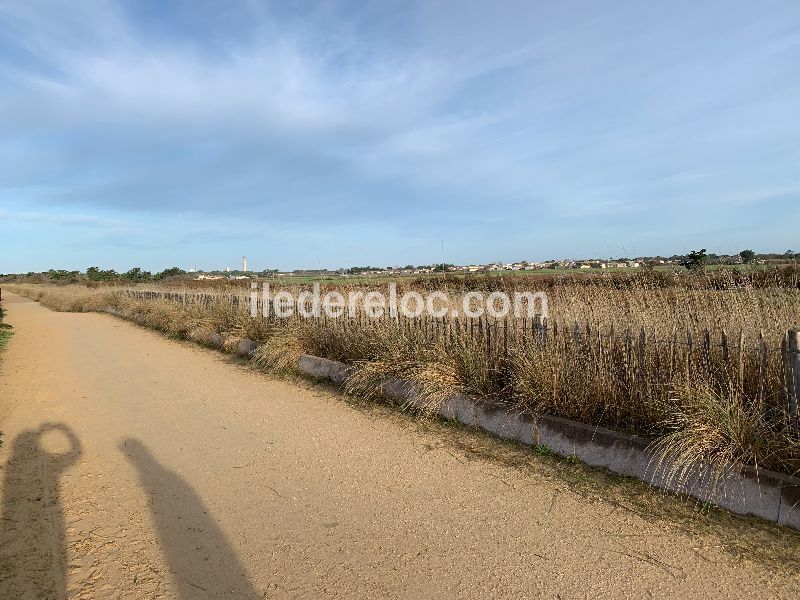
x: 201, y: 559
x: 32, y: 536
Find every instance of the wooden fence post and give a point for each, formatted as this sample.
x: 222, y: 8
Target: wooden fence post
x: 762, y: 370
x: 538, y: 334
x: 629, y: 349
x: 544, y: 332
x: 793, y: 373
x: 641, y: 363
x: 726, y: 353
x: 740, y: 365
x: 673, y: 352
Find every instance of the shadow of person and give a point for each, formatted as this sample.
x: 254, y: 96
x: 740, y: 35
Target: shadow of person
x: 200, y: 557
x: 32, y: 536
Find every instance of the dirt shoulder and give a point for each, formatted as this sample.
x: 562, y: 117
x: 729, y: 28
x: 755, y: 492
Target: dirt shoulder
x: 136, y: 466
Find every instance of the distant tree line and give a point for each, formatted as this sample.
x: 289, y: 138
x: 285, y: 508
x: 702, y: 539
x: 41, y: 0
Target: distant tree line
x: 136, y: 274
x: 696, y: 260
x: 436, y: 267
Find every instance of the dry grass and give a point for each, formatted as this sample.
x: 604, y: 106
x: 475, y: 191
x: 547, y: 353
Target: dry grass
x: 700, y: 404
x: 435, y: 370
x: 72, y: 298
x: 704, y: 426
x: 170, y: 318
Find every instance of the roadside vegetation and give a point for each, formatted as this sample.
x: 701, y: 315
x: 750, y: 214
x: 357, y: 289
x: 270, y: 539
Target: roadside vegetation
x: 5, y: 329
x: 5, y: 335
x: 693, y: 361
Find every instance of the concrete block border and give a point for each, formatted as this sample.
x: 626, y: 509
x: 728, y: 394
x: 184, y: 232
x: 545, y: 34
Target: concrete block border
x: 745, y: 491
x: 209, y: 339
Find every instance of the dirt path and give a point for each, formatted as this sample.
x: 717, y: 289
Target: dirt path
x: 138, y: 467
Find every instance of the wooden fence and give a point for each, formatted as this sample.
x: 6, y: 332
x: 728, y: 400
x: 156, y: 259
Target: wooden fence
x: 764, y: 371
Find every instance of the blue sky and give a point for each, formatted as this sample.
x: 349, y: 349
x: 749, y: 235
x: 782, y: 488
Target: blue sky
x: 327, y: 134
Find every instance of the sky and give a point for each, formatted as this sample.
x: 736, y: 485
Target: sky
x: 330, y: 134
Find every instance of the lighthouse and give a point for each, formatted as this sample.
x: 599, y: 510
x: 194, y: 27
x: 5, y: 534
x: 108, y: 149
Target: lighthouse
x: 244, y: 264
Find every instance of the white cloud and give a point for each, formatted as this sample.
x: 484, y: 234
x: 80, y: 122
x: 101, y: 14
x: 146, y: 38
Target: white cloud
x: 59, y: 218
x: 575, y: 110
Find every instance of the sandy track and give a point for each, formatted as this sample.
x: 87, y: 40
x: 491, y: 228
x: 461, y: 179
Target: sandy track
x: 167, y: 471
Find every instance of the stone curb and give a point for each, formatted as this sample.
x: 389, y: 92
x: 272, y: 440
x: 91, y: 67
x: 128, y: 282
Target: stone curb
x: 214, y: 340
x: 771, y: 496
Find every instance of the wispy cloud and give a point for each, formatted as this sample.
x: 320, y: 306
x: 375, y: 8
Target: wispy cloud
x: 59, y: 218
x: 403, y: 117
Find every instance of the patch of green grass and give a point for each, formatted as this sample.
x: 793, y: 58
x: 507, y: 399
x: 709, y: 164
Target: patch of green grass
x: 5, y: 335
x: 543, y: 450
x: 620, y: 479
x: 5, y: 330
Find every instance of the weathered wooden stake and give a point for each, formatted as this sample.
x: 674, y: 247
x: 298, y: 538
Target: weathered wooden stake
x: 673, y: 349
x: 629, y: 349
x: 793, y: 373
x: 537, y: 328
x: 544, y: 332
x: 762, y: 370
x: 641, y: 367
x: 726, y: 353
x: 741, y: 363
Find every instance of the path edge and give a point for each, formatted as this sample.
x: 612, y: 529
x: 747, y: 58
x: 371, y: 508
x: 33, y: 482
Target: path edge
x: 744, y: 491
